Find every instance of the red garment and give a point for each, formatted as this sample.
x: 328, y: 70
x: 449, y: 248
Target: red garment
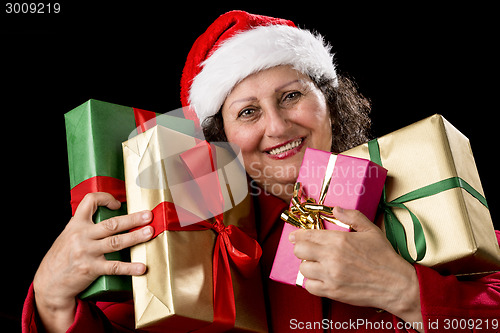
x: 461, y: 306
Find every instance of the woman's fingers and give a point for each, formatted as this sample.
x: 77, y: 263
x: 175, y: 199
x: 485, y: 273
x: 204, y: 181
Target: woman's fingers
x: 91, y: 201
x: 119, y: 224
x: 121, y: 241
x: 109, y: 267
x: 315, y: 287
x: 357, y: 220
x: 307, y: 250
x: 311, y: 269
x: 77, y: 256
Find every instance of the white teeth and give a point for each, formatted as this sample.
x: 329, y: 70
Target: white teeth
x: 288, y: 146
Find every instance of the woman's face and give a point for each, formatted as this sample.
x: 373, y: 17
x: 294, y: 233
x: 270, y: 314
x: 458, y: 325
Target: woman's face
x: 273, y: 115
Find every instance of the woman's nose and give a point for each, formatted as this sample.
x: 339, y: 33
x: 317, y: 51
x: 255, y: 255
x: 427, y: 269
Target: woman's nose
x: 277, y: 122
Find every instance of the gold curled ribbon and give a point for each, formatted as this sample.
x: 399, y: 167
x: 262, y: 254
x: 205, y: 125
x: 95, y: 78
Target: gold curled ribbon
x: 306, y: 213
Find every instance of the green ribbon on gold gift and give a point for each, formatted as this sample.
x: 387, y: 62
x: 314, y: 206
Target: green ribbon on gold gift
x: 395, y: 231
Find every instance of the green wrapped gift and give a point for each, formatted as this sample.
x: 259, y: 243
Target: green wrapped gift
x: 95, y: 131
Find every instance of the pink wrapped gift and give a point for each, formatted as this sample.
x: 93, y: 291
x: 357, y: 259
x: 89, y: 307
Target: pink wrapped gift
x: 326, y: 180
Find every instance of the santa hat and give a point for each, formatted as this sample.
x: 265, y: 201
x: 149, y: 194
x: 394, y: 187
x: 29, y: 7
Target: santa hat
x: 239, y: 44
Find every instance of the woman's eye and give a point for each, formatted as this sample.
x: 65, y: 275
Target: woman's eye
x: 292, y: 96
x: 246, y: 113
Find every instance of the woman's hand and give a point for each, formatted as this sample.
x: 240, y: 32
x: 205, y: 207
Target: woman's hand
x: 359, y: 268
x: 76, y: 258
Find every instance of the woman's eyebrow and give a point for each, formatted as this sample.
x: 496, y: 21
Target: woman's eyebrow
x: 246, y: 99
x: 286, y: 85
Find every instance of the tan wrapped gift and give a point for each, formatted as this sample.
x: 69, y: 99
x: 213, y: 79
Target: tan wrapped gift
x: 433, y: 190
x: 177, y: 291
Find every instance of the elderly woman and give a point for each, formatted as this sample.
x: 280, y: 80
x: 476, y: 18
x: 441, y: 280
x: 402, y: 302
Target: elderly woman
x: 272, y: 89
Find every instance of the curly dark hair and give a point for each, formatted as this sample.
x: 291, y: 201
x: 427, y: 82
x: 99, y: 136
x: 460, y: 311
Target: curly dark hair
x: 349, y: 111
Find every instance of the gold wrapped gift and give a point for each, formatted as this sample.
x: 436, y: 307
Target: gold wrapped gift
x: 177, y: 292
x: 433, y: 191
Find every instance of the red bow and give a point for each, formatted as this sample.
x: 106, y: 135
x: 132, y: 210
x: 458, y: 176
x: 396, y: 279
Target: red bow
x: 231, y: 242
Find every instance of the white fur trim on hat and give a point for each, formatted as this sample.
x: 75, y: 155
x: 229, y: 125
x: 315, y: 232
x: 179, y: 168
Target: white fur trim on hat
x: 252, y: 51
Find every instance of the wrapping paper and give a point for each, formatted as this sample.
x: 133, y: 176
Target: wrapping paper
x: 95, y: 131
x: 179, y: 292
x: 332, y: 180
x: 448, y: 228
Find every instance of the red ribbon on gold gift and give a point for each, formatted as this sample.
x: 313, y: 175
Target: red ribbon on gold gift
x: 231, y: 242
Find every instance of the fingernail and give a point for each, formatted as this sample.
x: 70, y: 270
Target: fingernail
x: 147, y: 231
x: 140, y: 269
x: 146, y: 216
x: 291, y: 237
x: 339, y: 209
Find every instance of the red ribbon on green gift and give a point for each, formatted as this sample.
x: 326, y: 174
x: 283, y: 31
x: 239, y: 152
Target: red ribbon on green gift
x: 114, y: 186
x: 231, y: 243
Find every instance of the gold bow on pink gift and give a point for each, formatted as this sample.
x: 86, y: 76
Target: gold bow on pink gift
x: 305, y: 212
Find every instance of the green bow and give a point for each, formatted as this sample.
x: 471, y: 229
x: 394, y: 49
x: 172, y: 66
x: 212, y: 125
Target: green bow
x: 394, y: 229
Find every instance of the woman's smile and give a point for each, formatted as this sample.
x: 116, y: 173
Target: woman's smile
x: 286, y: 149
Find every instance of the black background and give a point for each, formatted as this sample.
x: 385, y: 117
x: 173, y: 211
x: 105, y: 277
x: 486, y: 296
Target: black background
x: 411, y: 61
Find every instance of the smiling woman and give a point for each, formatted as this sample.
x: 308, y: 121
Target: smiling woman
x: 273, y: 116
x: 272, y: 89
